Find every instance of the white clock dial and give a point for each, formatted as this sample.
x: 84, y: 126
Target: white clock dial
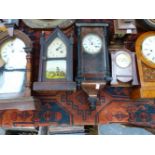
x: 148, y: 48
x: 57, y: 49
x: 123, y: 59
x: 13, y: 54
x: 92, y: 43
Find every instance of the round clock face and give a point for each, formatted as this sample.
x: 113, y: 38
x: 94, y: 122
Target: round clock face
x: 57, y: 49
x: 123, y: 59
x: 148, y: 48
x: 13, y: 54
x: 92, y: 43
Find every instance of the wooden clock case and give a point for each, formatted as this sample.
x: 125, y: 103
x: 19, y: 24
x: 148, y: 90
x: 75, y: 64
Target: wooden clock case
x: 43, y: 84
x: 146, y: 72
x: 24, y: 100
x: 93, y: 70
x: 123, y: 77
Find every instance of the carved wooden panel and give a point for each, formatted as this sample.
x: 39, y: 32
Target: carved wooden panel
x: 149, y: 73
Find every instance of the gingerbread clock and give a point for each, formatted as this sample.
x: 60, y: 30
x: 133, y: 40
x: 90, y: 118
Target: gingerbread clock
x: 145, y: 50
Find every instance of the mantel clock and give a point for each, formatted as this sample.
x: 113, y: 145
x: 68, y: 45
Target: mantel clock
x: 93, y: 59
x: 15, y: 71
x: 56, y: 63
x: 124, y: 73
x: 145, y: 51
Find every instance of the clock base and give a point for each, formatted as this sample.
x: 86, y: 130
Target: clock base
x: 22, y: 104
x: 54, y: 86
x: 145, y: 92
x: 92, y: 89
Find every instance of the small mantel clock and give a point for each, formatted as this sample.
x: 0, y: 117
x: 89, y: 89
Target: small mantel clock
x: 145, y: 50
x: 124, y: 26
x: 124, y: 72
x: 15, y: 72
x: 56, y: 63
x: 93, y: 59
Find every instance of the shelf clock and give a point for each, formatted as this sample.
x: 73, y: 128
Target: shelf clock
x: 124, y: 72
x: 93, y: 59
x: 145, y: 50
x: 15, y: 72
x: 124, y: 26
x: 56, y: 63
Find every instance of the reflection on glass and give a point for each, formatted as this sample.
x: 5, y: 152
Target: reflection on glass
x: 56, y: 69
x: 12, y: 74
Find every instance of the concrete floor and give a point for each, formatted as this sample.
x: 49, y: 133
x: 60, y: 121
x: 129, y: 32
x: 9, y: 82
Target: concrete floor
x: 118, y: 129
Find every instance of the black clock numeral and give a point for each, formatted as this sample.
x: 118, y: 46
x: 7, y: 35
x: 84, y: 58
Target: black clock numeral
x: 153, y: 58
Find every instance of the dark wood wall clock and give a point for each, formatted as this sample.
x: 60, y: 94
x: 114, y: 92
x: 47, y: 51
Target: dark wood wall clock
x: 145, y: 51
x: 56, y: 63
x: 93, y: 59
x: 15, y: 72
x: 124, y: 73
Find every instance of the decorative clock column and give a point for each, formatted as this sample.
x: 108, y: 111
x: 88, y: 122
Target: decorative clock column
x: 28, y: 82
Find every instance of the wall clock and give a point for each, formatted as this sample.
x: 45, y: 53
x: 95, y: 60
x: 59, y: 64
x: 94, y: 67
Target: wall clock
x: 124, y: 72
x: 93, y: 59
x: 145, y: 51
x: 146, y: 24
x: 48, y: 23
x: 124, y: 26
x: 15, y: 71
x: 56, y: 63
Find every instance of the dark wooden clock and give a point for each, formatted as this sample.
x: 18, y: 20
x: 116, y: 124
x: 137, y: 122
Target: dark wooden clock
x: 15, y: 72
x: 124, y: 72
x: 93, y: 59
x: 124, y: 26
x: 145, y: 51
x: 56, y: 63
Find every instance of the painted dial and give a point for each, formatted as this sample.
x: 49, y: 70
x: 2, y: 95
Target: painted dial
x: 57, y: 49
x: 56, y: 69
x: 13, y: 54
x: 92, y: 43
x: 123, y: 59
x: 148, y: 48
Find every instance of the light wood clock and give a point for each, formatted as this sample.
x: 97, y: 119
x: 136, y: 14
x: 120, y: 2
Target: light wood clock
x: 15, y: 72
x: 56, y: 63
x: 124, y: 73
x: 93, y: 59
x: 145, y: 51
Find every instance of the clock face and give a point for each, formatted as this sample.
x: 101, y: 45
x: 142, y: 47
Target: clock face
x: 148, y: 48
x: 56, y: 69
x: 123, y: 59
x: 92, y: 43
x: 12, y: 76
x: 57, y: 49
x: 13, y: 54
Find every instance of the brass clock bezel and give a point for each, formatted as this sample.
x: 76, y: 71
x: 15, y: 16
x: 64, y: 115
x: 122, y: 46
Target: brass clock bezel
x: 125, y: 53
x: 138, y: 47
